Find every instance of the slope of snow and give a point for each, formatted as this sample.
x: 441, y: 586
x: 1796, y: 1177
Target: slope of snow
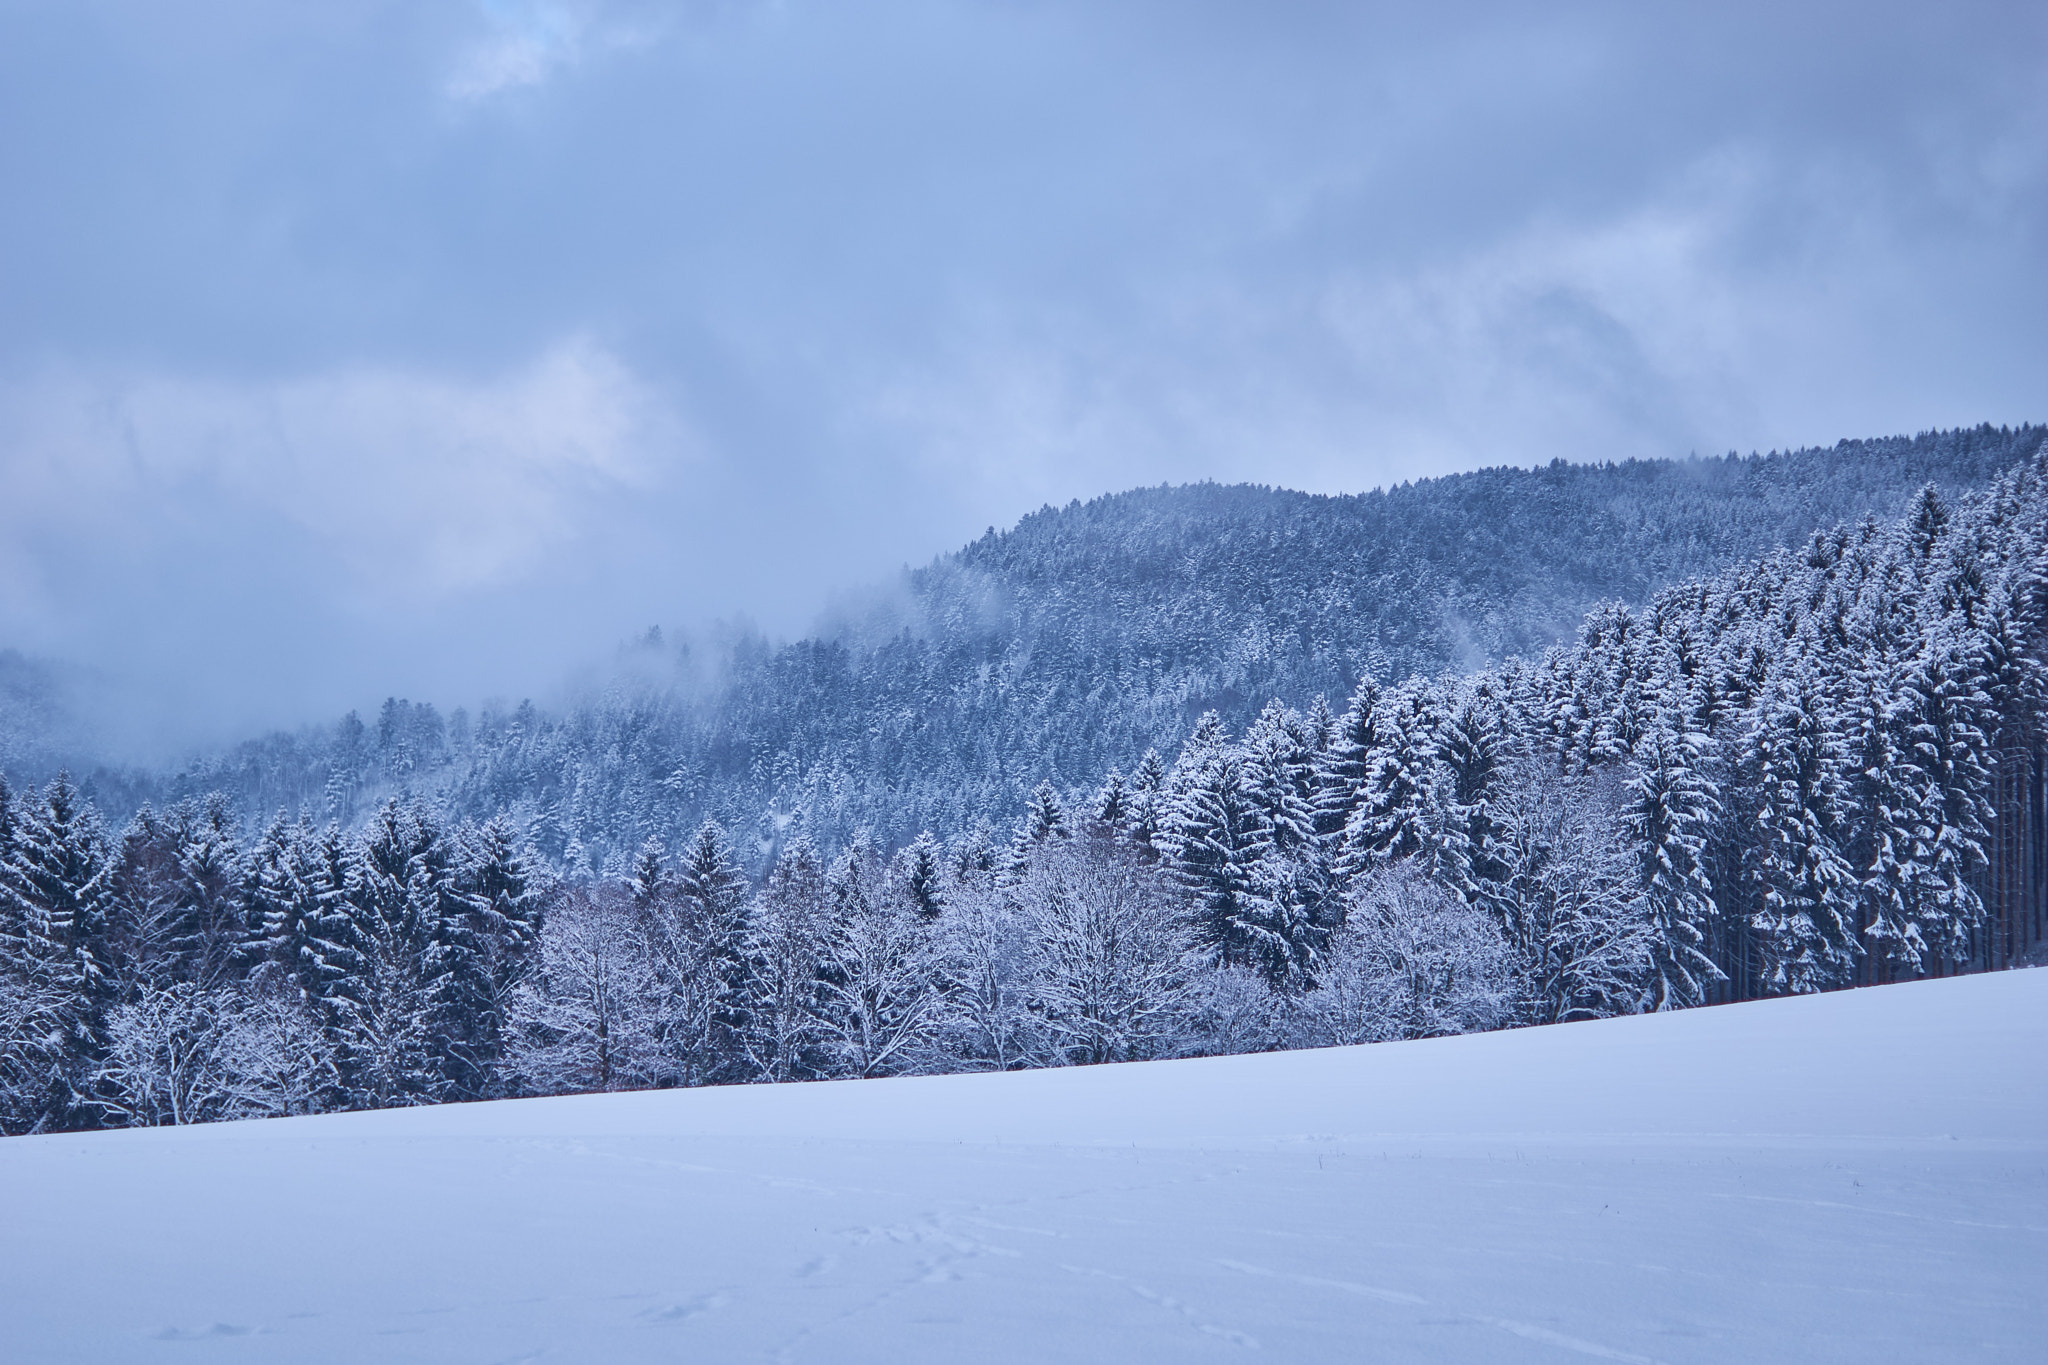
x: 1858, y: 1177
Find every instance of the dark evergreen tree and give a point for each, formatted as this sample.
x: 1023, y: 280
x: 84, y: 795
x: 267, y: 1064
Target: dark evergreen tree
x: 923, y: 876
x: 55, y: 895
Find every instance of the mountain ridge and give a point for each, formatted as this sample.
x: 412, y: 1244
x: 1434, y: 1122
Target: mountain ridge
x: 1078, y: 638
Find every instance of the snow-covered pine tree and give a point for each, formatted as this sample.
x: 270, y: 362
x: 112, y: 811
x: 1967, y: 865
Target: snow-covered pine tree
x: 1397, y: 815
x: 2015, y: 668
x: 1471, y: 743
x: 1045, y: 822
x: 1110, y: 811
x: 1293, y: 904
x: 1215, y: 838
x: 1807, y: 918
x: 1346, y: 762
x: 1045, y: 815
x: 650, y: 872
x: 712, y: 890
x: 1885, y: 797
x: 497, y: 928
x: 55, y: 895
x: 1280, y: 772
x: 778, y: 1037
x: 1668, y: 814
x: 405, y: 1030
x: 209, y: 937
x: 1949, y: 716
x: 922, y: 875
x: 147, y: 903
x: 1148, y: 803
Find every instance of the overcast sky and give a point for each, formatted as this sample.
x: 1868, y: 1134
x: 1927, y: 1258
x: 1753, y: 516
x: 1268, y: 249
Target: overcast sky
x: 432, y: 348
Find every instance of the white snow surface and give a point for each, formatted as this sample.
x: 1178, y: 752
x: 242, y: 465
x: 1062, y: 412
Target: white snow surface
x: 1856, y: 1177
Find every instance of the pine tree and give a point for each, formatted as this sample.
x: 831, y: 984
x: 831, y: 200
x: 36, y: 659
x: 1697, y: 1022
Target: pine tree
x: 1346, y: 763
x: 923, y: 876
x: 1293, y: 904
x: 694, y: 927
x: 493, y: 927
x: 1947, y: 733
x: 1668, y: 814
x: 415, y: 1027
x: 778, y: 1036
x: 1147, y: 804
x: 148, y: 903
x: 1280, y: 773
x: 1214, y: 839
x: 1886, y: 793
x: 1807, y: 919
x: 1471, y: 745
x: 650, y: 872
x: 55, y: 895
x: 1397, y: 815
x: 1045, y: 817
x: 1111, y: 809
x: 208, y: 941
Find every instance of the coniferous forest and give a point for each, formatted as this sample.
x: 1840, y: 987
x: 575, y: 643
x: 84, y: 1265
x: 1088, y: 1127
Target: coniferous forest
x: 1178, y: 772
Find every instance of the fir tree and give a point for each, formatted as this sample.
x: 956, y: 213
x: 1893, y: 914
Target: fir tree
x: 55, y: 895
x: 1215, y: 838
x: 1807, y: 919
x: 1397, y: 813
x: 1346, y: 763
x: 923, y: 876
x: 1668, y: 815
x: 1948, y: 719
x: 778, y: 1035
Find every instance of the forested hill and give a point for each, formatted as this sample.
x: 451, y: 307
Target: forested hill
x: 1081, y: 638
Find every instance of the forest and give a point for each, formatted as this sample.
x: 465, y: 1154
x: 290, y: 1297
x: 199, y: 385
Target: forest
x: 1817, y: 767
x: 1051, y: 652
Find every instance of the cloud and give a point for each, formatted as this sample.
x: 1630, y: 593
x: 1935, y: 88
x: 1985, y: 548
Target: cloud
x: 300, y: 390
x: 529, y: 42
x: 399, y: 487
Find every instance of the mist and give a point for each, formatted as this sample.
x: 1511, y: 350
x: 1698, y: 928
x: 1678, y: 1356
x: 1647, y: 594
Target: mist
x: 362, y: 350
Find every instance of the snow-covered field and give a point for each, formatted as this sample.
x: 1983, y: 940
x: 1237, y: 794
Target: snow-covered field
x: 1858, y: 1177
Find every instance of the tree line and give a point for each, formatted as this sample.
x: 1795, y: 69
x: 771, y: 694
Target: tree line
x: 1822, y: 769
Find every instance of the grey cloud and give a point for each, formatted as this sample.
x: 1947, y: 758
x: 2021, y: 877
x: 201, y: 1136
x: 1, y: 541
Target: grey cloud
x: 823, y: 289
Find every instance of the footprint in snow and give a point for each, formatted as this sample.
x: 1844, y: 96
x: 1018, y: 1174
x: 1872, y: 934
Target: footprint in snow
x: 687, y: 1308
x: 219, y: 1329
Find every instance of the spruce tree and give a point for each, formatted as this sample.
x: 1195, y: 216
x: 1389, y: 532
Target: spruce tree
x: 1947, y: 732
x: 1397, y: 814
x: 1346, y: 762
x: 55, y: 895
x: 1668, y: 814
x: 923, y: 875
x: 1215, y: 838
x: 778, y: 1034
x: 1806, y: 922
x: 711, y: 891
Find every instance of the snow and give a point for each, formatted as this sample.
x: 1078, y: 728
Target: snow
x: 1859, y: 1177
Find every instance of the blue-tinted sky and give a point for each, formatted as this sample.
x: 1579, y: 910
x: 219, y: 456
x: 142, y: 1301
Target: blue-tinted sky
x: 432, y: 348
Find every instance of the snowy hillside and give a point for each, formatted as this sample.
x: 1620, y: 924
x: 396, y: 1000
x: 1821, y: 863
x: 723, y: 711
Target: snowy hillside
x: 1857, y: 1176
